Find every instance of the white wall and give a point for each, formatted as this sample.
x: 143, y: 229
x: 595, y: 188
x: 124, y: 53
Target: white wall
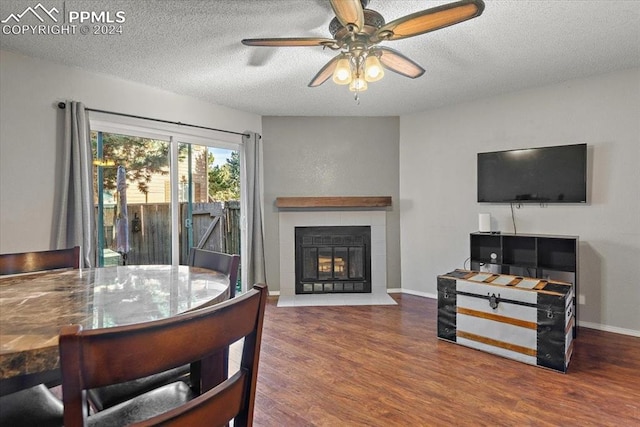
x: 30, y: 129
x: 438, y: 186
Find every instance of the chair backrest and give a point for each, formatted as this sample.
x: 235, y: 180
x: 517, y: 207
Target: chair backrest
x: 28, y: 262
x: 218, y: 261
x: 100, y: 357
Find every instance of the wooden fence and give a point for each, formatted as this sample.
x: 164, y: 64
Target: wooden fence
x: 216, y: 226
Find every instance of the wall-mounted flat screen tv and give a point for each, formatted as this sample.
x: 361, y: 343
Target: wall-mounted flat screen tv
x: 534, y: 175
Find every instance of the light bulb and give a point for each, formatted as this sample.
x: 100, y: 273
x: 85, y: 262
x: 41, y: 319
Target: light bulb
x: 373, y: 69
x: 358, y: 84
x: 342, y: 73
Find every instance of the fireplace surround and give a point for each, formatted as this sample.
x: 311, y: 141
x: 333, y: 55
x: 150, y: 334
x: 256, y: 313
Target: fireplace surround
x: 339, y: 214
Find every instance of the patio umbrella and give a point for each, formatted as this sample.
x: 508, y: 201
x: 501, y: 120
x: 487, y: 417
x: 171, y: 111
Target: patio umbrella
x: 122, y: 219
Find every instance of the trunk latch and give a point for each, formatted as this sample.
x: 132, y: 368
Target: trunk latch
x: 494, y: 301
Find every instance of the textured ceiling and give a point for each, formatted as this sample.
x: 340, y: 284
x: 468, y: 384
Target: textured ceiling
x: 193, y: 47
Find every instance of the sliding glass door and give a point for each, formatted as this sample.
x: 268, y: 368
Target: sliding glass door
x: 157, y: 197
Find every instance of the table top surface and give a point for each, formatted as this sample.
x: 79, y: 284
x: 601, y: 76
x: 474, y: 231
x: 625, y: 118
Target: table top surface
x: 33, y: 307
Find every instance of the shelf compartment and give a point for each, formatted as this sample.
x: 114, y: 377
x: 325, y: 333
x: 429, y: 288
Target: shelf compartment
x: 483, y: 245
x: 519, y: 251
x: 557, y: 254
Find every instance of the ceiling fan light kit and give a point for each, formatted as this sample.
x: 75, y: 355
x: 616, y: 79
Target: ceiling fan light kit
x: 373, y: 69
x: 342, y: 73
x: 357, y: 31
x: 353, y: 71
x: 358, y: 85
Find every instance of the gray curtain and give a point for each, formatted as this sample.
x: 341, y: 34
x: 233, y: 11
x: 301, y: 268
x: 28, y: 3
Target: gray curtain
x: 75, y: 223
x: 252, y: 171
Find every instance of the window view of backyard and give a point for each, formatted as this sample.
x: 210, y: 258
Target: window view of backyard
x: 133, y: 199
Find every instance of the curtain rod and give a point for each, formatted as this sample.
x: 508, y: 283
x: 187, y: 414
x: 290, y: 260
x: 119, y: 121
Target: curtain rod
x: 62, y: 106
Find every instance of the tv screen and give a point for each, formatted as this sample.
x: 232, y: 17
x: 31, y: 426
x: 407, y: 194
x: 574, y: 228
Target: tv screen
x: 534, y: 175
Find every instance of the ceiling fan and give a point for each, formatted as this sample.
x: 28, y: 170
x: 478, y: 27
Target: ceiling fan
x: 357, y: 31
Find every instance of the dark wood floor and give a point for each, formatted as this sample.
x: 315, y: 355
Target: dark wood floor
x: 384, y: 366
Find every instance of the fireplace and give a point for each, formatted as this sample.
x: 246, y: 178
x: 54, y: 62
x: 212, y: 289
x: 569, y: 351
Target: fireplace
x: 292, y: 216
x: 333, y: 259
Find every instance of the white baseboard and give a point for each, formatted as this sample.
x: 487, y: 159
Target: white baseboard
x: 411, y: 292
x: 607, y: 328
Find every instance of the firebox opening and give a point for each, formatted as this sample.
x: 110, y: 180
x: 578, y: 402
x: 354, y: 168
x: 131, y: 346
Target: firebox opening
x: 333, y: 259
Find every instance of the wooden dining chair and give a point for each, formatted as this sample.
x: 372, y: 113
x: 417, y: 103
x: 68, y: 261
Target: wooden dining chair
x: 218, y: 261
x: 29, y: 262
x: 100, y: 357
x: 102, y: 398
x: 228, y: 264
x: 34, y: 406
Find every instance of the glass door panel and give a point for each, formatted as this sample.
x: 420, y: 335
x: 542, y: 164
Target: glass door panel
x: 340, y: 262
x: 325, y: 263
x: 309, y: 263
x: 192, y: 193
x: 209, y: 198
x: 132, y: 198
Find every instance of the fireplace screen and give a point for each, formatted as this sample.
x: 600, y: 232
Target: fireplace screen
x: 333, y: 259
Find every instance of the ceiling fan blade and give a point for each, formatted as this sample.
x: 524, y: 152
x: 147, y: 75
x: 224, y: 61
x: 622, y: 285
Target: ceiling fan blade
x: 326, y: 72
x: 397, y: 62
x: 290, y: 41
x: 349, y: 12
x: 430, y: 20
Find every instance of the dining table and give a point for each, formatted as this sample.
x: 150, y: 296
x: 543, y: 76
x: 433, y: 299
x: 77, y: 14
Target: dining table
x: 34, y: 307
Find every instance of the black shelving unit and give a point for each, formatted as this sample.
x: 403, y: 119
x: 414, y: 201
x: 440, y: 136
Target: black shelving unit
x: 533, y: 255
